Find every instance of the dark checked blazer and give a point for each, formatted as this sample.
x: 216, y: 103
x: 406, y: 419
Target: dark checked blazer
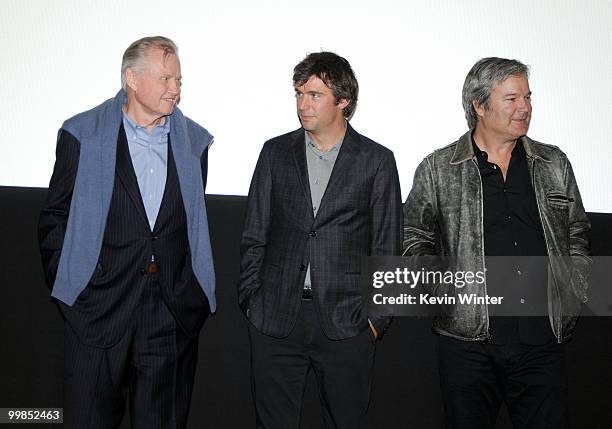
x: 103, y: 312
x: 359, y: 215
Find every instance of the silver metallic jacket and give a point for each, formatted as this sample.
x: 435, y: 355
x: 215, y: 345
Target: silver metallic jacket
x: 443, y: 215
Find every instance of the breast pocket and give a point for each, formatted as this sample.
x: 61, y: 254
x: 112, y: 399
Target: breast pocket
x: 558, y: 199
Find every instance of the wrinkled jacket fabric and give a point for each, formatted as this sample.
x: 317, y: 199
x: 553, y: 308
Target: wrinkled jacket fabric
x: 443, y: 215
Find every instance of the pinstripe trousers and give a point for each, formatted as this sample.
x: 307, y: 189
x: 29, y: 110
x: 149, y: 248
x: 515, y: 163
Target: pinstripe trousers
x: 153, y: 365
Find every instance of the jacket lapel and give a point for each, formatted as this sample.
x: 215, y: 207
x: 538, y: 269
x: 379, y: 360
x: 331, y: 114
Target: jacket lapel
x: 126, y: 173
x: 171, y: 183
x: 342, y: 166
x: 299, y: 156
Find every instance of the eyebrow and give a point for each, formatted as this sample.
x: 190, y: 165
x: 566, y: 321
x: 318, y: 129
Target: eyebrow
x: 308, y: 92
x: 509, y: 94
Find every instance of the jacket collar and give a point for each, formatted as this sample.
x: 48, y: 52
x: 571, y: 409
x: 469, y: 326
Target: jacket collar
x: 350, y: 146
x: 464, y: 150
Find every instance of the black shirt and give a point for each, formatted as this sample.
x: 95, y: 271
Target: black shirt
x: 512, y: 228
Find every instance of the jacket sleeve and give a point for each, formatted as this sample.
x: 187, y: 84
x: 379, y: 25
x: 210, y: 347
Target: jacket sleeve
x: 579, y: 226
x: 420, y: 214
x: 386, y: 221
x: 256, y: 229
x: 420, y: 239
x: 54, y: 215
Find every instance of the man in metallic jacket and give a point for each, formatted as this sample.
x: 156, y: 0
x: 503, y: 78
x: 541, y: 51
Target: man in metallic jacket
x: 497, y: 193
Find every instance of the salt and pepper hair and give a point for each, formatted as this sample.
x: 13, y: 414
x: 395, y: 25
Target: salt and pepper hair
x: 337, y: 74
x: 135, y: 54
x: 480, y: 80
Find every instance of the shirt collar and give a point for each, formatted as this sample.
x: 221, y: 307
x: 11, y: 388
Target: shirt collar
x: 334, y: 148
x: 518, y: 151
x: 157, y: 136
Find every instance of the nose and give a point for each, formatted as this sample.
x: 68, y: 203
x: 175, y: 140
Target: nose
x: 524, y: 104
x: 302, y: 103
x: 174, y: 87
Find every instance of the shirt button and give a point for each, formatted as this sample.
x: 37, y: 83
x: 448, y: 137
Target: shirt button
x: 515, y: 244
x: 320, y: 157
x: 151, y: 171
x: 314, y: 208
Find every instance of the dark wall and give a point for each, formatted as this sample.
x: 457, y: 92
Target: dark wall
x: 405, y: 392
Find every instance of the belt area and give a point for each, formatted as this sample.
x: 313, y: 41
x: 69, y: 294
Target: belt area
x: 307, y: 294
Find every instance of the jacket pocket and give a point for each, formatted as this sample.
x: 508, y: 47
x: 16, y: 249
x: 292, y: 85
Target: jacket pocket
x: 558, y: 199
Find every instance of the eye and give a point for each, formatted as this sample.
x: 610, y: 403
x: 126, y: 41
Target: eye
x: 316, y: 96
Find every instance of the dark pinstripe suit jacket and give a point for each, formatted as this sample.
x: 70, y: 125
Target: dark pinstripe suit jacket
x: 102, y: 312
x: 359, y: 215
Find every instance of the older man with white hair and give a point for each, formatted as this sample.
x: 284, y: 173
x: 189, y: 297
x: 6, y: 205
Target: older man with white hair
x: 125, y: 247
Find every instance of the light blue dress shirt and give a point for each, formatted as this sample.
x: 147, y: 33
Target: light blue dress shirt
x: 149, y: 153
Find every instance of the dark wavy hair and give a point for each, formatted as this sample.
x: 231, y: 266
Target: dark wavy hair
x: 337, y: 74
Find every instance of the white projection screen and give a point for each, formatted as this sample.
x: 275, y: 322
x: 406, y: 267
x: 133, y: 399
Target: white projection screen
x: 62, y: 57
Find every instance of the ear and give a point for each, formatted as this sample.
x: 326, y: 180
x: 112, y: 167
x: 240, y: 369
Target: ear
x: 130, y: 78
x: 343, y: 103
x: 480, y: 110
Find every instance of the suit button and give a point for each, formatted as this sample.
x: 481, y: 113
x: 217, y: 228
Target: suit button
x: 152, y: 268
x: 313, y: 233
x: 143, y: 272
x: 302, y: 267
x: 155, y: 237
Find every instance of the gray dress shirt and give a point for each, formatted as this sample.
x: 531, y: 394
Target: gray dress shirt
x: 320, y: 166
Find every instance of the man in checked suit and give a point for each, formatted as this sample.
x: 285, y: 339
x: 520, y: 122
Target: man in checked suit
x: 322, y: 197
x: 125, y: 246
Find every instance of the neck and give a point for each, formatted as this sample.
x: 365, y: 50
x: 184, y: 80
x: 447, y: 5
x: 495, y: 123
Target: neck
x: 494, y: 146
x: 142, y: 119
x: 325, y: 140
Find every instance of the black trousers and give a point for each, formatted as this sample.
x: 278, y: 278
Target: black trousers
x: 476, y: 377
x: 279, y: 367
x: 154, y: 364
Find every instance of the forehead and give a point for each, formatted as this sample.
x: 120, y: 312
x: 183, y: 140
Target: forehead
x: 314, y: 83
x: 158, y: 58
x: 512, y: 84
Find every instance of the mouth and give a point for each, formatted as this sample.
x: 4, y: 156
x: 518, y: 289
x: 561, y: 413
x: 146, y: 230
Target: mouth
x: 521, y: 122
x: 170, y: 100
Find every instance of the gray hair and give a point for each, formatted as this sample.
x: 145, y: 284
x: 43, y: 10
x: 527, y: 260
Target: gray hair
x: 480, y: 80
x: 135, y: 54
